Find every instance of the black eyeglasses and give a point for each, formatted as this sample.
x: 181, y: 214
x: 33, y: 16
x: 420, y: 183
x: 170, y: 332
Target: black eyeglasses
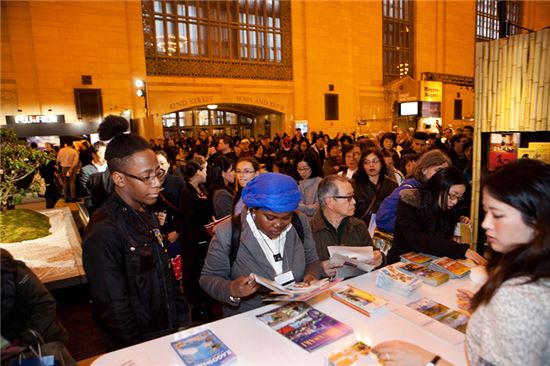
x: 349, y: 198
x: 146, y: 180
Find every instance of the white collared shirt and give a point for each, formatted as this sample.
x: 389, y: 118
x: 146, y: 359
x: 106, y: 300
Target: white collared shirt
x: 270, y: 247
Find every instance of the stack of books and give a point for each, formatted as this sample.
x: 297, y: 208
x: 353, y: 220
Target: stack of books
x: 360, y: 300
x: 417, y: 258
x: 391, y: 279
x: 423, y: 273
x: 452, y: 267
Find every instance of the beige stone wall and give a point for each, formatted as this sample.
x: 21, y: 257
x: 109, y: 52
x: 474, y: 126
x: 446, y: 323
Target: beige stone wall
x: 48, y: 45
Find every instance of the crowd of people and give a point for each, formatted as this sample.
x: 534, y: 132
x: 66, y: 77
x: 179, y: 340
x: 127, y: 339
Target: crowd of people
x: 181, y: 224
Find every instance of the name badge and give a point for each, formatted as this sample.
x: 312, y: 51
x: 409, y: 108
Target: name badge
x: 285, y: 278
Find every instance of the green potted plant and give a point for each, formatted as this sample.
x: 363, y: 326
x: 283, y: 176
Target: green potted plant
x: 18, y: 162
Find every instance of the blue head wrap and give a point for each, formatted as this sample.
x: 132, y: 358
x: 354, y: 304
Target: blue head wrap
x: 272, y: 192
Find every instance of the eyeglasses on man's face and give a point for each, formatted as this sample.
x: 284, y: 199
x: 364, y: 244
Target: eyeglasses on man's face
x: 348, y: 198
x: 150, y: 179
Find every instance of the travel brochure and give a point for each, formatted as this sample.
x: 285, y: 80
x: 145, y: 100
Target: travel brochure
x: 203, y: 349
x: 437, y: 318
x: 452, y: 267
x: 391, y: 279
x: 360, y: 300
x: 304, y: 325
x: 295, y: 291
x: 417, y: 258
x: 354, y: 257
x: 358, y: 353
x: 423, y: 273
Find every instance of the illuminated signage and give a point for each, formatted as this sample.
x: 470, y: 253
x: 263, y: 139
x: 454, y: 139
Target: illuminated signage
x: 431, y: 91
x: 36, y: 118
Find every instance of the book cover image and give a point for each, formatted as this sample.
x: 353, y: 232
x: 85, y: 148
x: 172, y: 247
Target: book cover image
x: 203, y: 349
x: 503, y: 148
x: 304, y: 325
x: 452, y: 318
x: 416, y: 258
x: 352, y: 355
x: 453, y: 267
x: 424, y: 273
x: 360, y: 300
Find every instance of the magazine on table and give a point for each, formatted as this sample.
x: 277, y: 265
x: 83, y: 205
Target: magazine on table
x: 417, y: 258
x: 295, y: 291
x: 360, y: 300
x: 423, y: 273
x: 203, y: 349
x: 359, y: 353
x: 437, y: 318
x: 452, y: 267
x: 304, y: 325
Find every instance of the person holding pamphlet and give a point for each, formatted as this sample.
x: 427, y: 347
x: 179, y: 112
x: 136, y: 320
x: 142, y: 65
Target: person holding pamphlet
x: 268, y: 239
x: 427, y: 217
x: 510, y: 322
x: 334, y: 224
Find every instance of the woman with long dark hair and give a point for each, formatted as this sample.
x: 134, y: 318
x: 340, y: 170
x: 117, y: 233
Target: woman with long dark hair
x: 511, y: 312
x: 311, y: 177
x: 196, y: 211
x: 427, y: 217
x: 222, y: 183
x: 371, y: 184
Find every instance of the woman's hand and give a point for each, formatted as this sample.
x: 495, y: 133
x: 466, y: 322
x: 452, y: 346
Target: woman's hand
x: 476, y: 257
x: 243, y: 286
x: 172, y: 236
x: 464, y: 299
x: 464, y: 220
x: 308, y: 278
x: 393, y: 353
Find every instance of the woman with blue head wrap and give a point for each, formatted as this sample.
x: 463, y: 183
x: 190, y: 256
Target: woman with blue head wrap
x: 269, y: 245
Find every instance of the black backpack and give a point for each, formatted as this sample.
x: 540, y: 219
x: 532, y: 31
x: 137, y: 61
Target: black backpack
x: 236, y: 234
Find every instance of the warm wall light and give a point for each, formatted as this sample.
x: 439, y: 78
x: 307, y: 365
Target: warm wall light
x: 212, y: 106
x: 139, y: 83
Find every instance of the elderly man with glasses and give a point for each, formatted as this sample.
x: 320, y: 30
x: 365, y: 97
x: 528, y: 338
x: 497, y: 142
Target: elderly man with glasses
x: 334, y: 224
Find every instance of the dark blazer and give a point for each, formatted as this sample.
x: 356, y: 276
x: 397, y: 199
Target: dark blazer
x: 364, y: 194
x: 412, y: 233
x: 134, y: 292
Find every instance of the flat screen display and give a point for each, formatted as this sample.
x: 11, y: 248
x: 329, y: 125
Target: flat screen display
x: 431, y: 109
x: 42, y: 140
x: 408, y: 109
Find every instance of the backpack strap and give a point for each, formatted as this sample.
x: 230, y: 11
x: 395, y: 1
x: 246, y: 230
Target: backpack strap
x: 236, y: 234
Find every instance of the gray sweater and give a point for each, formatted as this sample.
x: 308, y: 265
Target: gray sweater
x: 309, y: 204
x: 217, y: 273
x: 513, y: 328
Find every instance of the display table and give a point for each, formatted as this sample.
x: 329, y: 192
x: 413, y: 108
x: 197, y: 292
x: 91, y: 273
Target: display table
x: 256, y: 344
x: 57, y: 258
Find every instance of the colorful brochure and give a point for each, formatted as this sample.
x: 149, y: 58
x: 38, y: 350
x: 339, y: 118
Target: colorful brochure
x: 391, y: 279
x: 295, y: 291
x: 360, y: 300
x: 417, y: 258
x: 452, y: 267
x: 203, y: 349
x: 304, y: 325
x: 423, y: 273
x: 356, y: 354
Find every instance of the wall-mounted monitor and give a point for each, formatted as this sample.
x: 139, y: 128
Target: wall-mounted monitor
x: 431, y: 109
x: 42, y: 140
x: 408, y: 109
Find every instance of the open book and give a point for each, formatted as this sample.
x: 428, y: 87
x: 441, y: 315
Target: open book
x: 295, y: 291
